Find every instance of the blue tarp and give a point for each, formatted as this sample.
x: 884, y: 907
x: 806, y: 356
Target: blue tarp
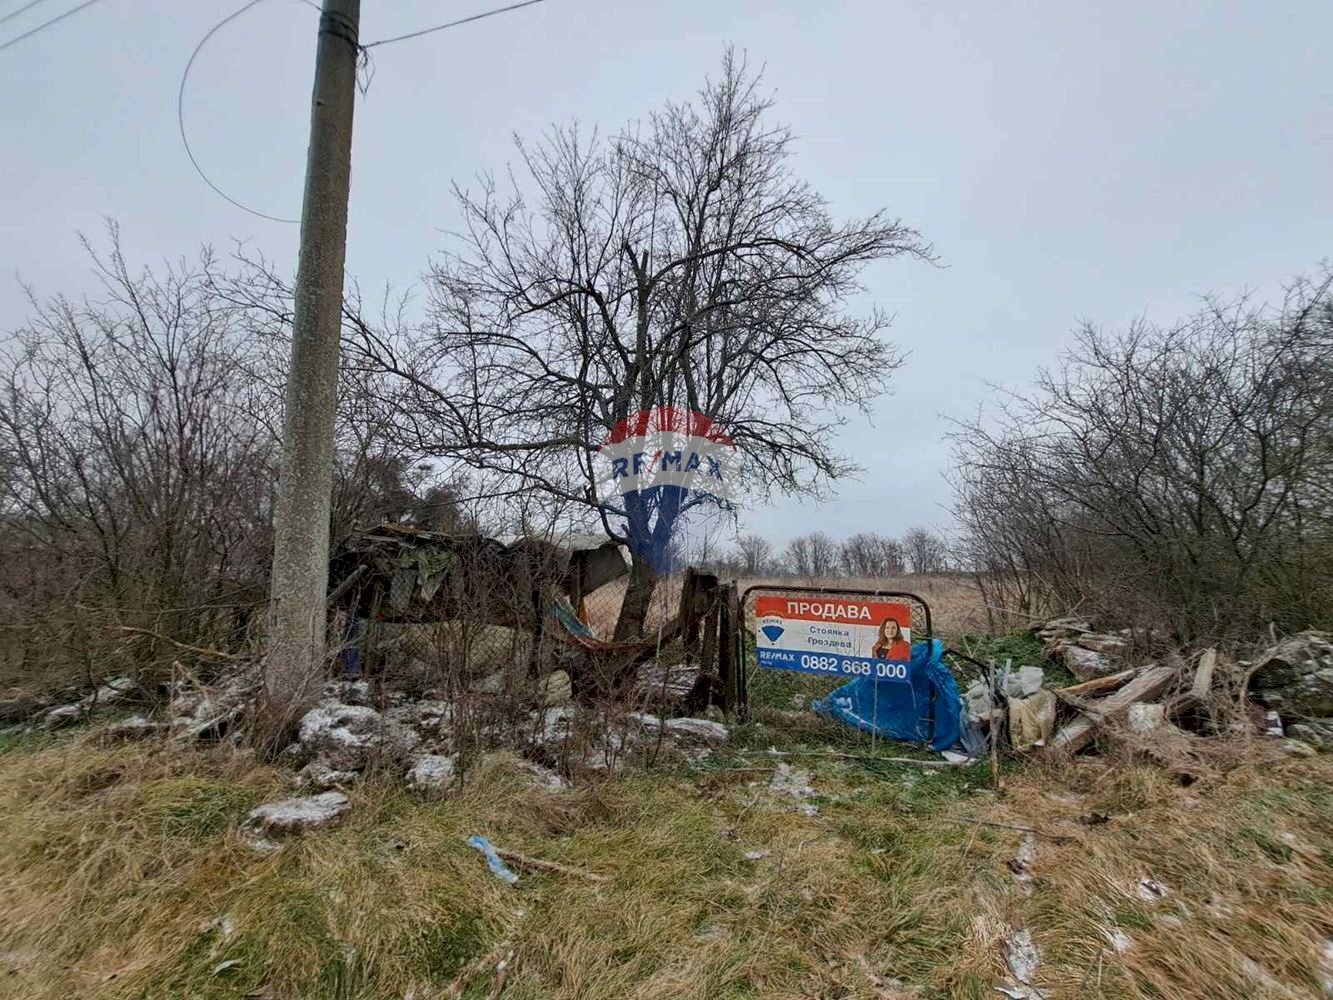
x: 926, y: 709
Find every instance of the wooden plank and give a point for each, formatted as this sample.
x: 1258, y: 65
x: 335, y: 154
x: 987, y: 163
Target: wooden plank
x: 1203, y: 675
x: 1107, y: 683
x: 687, y: 616
x: 727, y: 668
x: 1149, y: 684
x: 708, y: 645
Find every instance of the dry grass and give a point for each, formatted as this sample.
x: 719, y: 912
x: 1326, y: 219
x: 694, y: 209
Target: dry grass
x: 117, y: 863
x: 954, y: 599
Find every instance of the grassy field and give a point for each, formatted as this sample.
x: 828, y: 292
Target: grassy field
x: 122, y: 875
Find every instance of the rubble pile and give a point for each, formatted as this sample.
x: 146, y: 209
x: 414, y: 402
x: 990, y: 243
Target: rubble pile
x: 1084, y: 652
x: 1162, y: 708
x: 1294, y: 679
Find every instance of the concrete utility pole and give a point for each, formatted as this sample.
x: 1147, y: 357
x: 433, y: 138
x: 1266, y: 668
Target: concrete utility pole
x: 295, y: 658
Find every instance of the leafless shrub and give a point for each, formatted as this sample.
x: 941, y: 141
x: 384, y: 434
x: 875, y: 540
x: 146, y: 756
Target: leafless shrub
x: 137, y: 464
x: 138, y: 456
x: 1173, y: 476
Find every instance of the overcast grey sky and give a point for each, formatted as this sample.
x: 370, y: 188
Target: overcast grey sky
x: 1069, y: 159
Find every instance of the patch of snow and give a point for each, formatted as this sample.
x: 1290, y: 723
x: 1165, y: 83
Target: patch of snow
x: 62, y: 715
x: 1151, y: 891
x: 554, y: 724
x: 1021, y: 863
x: 703, y: 730
x: 789, y: 782
x: 136, y: 727
x: 1022, y: 955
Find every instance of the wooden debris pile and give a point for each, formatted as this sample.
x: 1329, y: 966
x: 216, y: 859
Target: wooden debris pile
x: 1184, y: 712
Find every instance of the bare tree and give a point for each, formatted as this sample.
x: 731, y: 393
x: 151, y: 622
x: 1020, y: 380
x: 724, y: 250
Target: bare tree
x: 823, y: 554
x: 813, y: 555
x: 891, y: 558
x: 680, y: 264
x: 797, y: 557
x: 754, y: 554
x: 926, y: 551
x: 867, y: 554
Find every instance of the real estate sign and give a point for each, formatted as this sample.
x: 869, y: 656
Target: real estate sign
x: 833, y: 636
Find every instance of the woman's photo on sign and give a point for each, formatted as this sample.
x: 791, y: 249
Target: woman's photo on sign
x: 893, y: 642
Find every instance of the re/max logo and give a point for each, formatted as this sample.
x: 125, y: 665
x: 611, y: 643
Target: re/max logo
x: 666, y: 461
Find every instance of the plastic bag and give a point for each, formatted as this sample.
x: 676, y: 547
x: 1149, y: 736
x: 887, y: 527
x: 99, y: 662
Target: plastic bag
x: 1031, y: 720
x: 927, y: 708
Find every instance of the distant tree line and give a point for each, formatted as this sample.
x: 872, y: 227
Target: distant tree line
x: 817, y: 554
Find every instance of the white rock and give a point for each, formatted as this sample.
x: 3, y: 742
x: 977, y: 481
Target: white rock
x: 1145, y: 717
x: 297, y: 815
x: 344, y: 735
x: 433, y: 712
x: 670, y: 682
x: 432, y: 772
x: 1085, y: 664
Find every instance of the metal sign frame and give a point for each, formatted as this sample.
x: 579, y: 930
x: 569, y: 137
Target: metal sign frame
x: 741, y: 626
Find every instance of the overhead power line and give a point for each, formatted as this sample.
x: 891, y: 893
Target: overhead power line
x: 185, y: 76
x: 45, y: 24
x: 27, y: 6
x: 451, y: 24
x: 180, y: 113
